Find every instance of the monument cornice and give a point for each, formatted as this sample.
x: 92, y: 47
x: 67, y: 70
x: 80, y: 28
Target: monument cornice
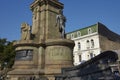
x: 27, y: 72
x: 50, y: 2
x: 27, y: 43
x: 62, y: 42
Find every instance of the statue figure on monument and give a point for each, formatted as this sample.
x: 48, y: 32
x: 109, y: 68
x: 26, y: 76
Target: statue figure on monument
x: 25, y: 31
x: 60, y: 21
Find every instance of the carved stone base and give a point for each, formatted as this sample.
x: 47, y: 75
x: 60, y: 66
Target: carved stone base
x: 58, y: 55
x: 48, y: 59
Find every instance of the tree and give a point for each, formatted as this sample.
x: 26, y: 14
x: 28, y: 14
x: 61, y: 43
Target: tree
x: 7, y: 53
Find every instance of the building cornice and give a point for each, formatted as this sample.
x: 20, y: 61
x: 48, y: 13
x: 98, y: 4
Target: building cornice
x: 91, y: 49
x: 86, y: 36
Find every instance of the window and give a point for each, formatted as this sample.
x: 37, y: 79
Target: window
x: 68, y: 36
x: 88, y: 56
x: 78, y: 34
x: 91, y: 55
x: 92, y: 43
x: 89, y: 31
x: 80, y: 58
x: 79, y: 46
x: 72, y: 35
x: 88, y: 44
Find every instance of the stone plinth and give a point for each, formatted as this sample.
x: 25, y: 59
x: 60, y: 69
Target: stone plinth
x: 47, y: 59
x: 58, y: 54
x: 25, y: 62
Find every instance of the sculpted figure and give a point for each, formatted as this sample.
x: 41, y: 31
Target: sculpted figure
x: 60, y: 21
x: 25, y: 31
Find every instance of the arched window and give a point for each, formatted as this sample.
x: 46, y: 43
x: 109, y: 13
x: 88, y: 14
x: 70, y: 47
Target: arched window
x: 72, y: 36
x: 88, y: 44
x: 88, y: 56
x: 80, y: 58
x: 89, y: 31
x: 78, y: 34
x: 92, y: 43
x: 79, y: 46
x: 91, y: 55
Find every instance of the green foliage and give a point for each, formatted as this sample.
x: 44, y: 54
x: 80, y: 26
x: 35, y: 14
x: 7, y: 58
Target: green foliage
x: 7, y: 53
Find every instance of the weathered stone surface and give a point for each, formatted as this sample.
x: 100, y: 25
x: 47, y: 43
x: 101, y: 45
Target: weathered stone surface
x: 25, y: 31
x: 46, y: 52
x: 58, y: 55
x: 98, y: 68
x: 44, y: 19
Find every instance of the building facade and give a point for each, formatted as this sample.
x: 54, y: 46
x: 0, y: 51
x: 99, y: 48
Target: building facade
x: 91, y: 41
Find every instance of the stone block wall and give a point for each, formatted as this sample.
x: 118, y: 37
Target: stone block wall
x: 98, y: 68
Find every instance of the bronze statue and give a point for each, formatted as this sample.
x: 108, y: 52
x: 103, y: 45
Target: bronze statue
x: 60, y: 21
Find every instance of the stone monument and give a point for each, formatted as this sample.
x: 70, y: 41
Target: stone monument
x: 43, y: 48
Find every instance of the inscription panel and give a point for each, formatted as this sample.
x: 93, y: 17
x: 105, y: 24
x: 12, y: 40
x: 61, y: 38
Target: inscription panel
x: 58, y: 53
x: 24, y: 55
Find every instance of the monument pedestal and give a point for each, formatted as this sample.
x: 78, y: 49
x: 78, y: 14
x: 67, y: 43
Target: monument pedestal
x: 26, y: 60
x: 47, y: 60
x: 58, y: 54
x: 43, y: 51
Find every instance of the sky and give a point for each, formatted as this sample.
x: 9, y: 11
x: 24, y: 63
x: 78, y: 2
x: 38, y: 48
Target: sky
x: 79, y: 14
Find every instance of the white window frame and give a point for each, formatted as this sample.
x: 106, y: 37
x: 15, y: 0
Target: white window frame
x: 92, y: 43
x: 89, y: 30
x: 72, y: 35
x: 78, y: 34
x: 79, y: 46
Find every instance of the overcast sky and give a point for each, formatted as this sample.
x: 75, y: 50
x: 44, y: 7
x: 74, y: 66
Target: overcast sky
x: 79, y: 13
